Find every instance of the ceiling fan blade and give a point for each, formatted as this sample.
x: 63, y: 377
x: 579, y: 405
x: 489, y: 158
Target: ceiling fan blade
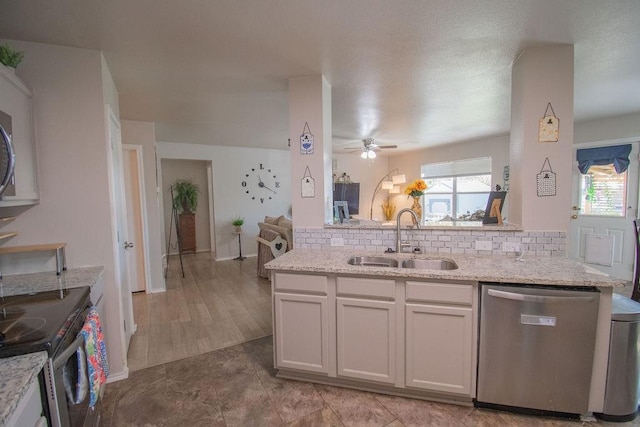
x: 352, y: 148
x: 387, y: 146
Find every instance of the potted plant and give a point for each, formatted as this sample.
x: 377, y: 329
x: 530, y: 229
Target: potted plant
x: 237, y: 222
x: 10, y: 57
x: 185, y: 195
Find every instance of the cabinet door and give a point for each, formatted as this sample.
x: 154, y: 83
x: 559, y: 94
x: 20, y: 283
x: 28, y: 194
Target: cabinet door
x: 16, y: 101
x: 302, y: 327
x: 366, y: 339
x: 439, y: 348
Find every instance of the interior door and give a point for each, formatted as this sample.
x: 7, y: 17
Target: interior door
x: 119, y: 212
x: 135, y: 253
x: 618, y: 224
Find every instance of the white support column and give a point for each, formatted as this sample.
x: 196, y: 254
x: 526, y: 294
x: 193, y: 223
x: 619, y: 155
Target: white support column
x: 539, y: 76
x: 310, y: 103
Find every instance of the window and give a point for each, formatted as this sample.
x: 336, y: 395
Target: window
x: 603, y: 183
x: 456, y: 190
x: 603, y: 191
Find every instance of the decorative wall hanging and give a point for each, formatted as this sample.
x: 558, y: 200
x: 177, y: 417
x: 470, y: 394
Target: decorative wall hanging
x: 548, y: 126
x: 308, y: 184
x: 306, y: 140
x: 546, y: 180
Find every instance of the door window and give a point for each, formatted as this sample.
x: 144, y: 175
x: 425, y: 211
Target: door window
x: 603, y: 192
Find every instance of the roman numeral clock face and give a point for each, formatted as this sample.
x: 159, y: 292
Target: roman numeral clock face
x: 261, y: 184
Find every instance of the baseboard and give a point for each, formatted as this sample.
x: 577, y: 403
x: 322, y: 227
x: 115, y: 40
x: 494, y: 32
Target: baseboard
x: 118, y: 376
x: 233, y: 257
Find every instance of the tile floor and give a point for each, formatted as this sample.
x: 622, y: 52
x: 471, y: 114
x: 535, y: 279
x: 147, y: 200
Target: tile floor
x: 236, y: 386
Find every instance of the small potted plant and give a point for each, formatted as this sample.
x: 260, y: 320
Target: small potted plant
x: 185, y: 195
x: 10, y: 57
x: 237, y: 222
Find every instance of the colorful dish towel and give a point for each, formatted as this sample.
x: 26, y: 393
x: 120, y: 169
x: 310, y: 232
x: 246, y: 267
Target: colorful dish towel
x: 96, y: 351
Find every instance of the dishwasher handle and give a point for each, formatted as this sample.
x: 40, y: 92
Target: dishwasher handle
x: 537, y: 298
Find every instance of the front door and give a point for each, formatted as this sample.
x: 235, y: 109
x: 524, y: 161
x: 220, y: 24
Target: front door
x: 605, y: 203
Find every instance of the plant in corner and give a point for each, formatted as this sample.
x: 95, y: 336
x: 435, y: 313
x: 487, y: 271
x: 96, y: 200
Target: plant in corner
x: 237, y: 222
x: 185, y: 195
x: 10, y: 57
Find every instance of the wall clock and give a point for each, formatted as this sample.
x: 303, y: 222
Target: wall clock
x: 261, y: 183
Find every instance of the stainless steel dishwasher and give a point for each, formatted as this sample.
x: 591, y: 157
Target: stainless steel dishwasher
x: 536, y: 347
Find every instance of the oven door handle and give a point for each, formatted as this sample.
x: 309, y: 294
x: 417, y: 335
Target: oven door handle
x: 62, y: 358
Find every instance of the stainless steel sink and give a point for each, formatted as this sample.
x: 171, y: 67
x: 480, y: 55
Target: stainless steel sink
x: 373, y: 261
x: 429, y: 264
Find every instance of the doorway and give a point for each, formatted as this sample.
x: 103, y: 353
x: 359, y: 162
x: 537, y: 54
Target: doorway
x: 199, y: 172
x: 604, y: 205
x: 139, y: 272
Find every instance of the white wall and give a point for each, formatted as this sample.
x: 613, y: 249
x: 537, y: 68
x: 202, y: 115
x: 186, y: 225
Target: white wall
x: 71, y: 87
x: 541, y: 75
x: 143, y: 134
x: 230, y: 165
x: 608, y: 129
x: 195, y: 171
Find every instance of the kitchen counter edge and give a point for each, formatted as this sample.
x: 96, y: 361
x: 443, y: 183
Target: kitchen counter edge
x: 28, y: 283
x: 478, y: 268
x: 17, y: 374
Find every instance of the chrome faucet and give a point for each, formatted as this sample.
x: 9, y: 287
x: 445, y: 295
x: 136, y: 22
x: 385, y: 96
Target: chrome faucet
x: 415, y: 216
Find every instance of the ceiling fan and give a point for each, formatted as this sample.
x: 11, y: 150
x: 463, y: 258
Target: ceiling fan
x: 370, y: 148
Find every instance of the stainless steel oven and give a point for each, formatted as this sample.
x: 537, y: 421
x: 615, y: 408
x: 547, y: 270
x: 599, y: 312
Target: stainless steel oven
x: 52, y: 321
x: 69, y: 406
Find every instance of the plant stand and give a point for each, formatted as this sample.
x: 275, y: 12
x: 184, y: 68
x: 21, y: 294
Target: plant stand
x: 240, y: 257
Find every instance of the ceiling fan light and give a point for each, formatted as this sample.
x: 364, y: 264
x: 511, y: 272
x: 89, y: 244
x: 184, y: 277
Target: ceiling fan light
x: 395, y: 190
x: 399, y: 179
x: 371, y: 154
x: 363, y: 155
x: 387, y: 185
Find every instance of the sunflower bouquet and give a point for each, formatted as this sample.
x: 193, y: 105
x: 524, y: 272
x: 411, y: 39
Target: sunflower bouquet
x: 416, y: 188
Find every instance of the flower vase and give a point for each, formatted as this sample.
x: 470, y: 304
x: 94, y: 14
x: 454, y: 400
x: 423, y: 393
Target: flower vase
x: 417, y: 208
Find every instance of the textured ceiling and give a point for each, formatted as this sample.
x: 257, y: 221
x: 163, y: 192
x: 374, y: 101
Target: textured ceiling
x: 412, y: 73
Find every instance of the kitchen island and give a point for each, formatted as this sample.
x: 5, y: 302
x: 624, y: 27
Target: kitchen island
x: 407, y: 331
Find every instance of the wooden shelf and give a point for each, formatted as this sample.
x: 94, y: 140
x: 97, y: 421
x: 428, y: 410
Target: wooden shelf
x: 61, y: 263
x: 7, y: 235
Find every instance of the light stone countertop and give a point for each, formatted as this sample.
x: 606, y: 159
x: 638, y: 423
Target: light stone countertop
x: 16, y: 376
x: 483, y: 268
x: 20, y: 284
x: 439, y: 225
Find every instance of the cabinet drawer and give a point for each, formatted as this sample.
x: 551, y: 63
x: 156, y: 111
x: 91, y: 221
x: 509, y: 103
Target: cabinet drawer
x: 376, y: 288
x: 440, y: 292
x: 301, y: 283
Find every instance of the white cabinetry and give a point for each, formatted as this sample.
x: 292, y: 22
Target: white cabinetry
x: 366, y: 329
x: 377, y: 333
x: 29, y: 410
x: 16, y: 100
x: 301, y: 322
x: 440, y: 337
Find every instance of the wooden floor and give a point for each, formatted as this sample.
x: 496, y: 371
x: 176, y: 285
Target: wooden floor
x: 217, y: 304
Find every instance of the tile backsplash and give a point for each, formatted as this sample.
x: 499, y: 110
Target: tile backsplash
x: 538, y: 243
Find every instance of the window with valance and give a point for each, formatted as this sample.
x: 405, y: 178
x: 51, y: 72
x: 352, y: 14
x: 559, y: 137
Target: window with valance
x: 603, y: 180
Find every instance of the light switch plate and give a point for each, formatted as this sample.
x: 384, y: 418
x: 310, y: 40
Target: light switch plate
x: 484, y: 245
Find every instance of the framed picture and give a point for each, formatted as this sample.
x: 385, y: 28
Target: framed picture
x: 341, y: 211
x: 493, y: 212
